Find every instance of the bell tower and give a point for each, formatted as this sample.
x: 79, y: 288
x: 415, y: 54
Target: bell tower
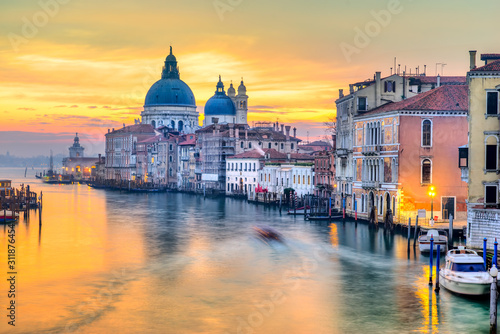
x: 241, y: 104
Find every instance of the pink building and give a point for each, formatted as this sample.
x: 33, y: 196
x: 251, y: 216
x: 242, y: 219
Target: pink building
x: 402, y: 149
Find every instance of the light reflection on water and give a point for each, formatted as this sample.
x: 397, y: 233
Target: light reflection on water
x: 175, y: 263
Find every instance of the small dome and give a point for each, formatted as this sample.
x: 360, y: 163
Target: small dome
x: 231, y: 92
x: 220, y: 103
x: 242, y: 90
x: 171, y: 56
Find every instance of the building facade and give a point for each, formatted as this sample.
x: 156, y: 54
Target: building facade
x: 481, y: 162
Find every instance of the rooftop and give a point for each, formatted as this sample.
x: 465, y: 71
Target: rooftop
x: 491, y: 67
x: 444, y: 98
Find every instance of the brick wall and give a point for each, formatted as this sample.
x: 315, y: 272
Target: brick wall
x: 482, y: 223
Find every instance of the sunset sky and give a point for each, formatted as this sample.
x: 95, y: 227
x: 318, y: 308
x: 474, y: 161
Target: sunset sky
x: 71, y: 66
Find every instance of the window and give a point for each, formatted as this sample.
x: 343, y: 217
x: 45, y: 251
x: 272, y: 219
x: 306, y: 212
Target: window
x: 491, y: 194
x: 491, y: 153
x: 308, y: 179
x: 282, y: 146
x: 303, y: 179
x: 491, y: 157
x: 390, y: 86
x: 241, y: 144
x: 294, y: 179
x: 426, y: 171
x: 426, y: 133
x: 250, y: 145
x: 362, y: 106
x: 492, y: 103
x: 241, y: 166
x: 254, y: 166
x: 291, y: 146
x: 245, y: 166
x: 269, y: 145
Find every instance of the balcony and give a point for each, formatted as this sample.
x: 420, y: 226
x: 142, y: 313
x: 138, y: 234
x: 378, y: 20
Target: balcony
x: 342, y: 152
x: 370, y: 184
x: 370, y: 149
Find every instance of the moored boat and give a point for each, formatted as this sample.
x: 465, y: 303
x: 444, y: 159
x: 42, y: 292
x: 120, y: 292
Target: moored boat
x: 7, y: 216
x: 439, y: 238
x: 465, y: 273
x: 299, y: 211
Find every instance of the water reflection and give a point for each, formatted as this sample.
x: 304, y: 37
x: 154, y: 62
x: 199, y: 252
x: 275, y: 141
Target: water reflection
x: 177, y: 263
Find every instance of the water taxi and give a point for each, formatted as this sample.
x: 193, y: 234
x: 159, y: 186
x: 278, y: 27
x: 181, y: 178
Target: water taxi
x: 465, y: 273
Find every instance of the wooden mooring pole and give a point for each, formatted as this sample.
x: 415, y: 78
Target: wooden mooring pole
x: 409, y: 233
x: 415, y: 235
x: 493, y: 300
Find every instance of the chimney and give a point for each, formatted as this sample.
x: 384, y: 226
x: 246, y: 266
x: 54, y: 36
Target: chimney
x: 295, y: 132
x: 108, y: 130
x: 237, y: 133
x: 288, y: 156
x: 351, y: 88
x: 472, y: 55
x: 378, y: 92
x: 282, y: 126
x: 231, y: 130
x: 438, y: 84
x: 341, y: 93
x: 287, y: 132
x: 246, y: 134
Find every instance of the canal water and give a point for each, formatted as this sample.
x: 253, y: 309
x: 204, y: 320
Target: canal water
x: 111, y: 262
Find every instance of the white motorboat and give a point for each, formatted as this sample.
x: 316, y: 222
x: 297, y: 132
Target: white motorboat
x: 440, y: 238
x: 465, y: 273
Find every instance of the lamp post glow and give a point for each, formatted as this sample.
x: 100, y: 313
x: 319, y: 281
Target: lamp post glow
x: 431, y: 194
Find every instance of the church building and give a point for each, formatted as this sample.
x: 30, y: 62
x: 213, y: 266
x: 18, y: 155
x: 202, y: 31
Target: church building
x: 230, y: 108
x: 170, y: 102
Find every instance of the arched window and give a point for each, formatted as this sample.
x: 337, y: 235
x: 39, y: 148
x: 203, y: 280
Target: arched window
x: 294, y: 179
x: 181, y: 125
x: 172, y: 124
x: 153, y: 123
x: 241, y: 144
x: 426, y: 171
x: 426, y: 133
x: 170, y: 158
x: 308, y: 179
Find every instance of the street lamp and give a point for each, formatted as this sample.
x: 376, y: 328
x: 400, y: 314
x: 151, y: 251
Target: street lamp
x: 431, y: 194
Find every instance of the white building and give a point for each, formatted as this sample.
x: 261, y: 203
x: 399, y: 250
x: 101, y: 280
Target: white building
x: 242, y: 172
x: 276, y: 177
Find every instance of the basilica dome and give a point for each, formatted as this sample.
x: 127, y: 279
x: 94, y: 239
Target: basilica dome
x: 170, y: 89
x: 220, y: 103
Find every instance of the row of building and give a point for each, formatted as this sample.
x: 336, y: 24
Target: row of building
x: 396, y: 153
x: 427, y: 146
x: 168, y: 149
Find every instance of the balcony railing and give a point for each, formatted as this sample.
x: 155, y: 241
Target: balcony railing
x: 370, y: 184
x: 370, y: 149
